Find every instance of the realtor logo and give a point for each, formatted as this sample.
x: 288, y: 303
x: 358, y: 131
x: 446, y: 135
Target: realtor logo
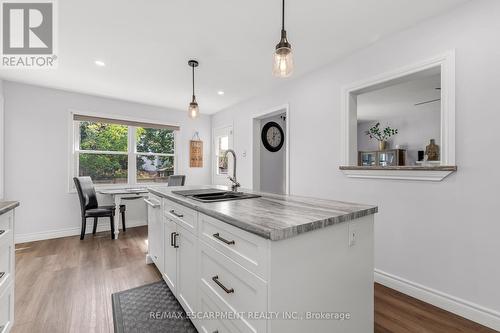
x: 28, y: 34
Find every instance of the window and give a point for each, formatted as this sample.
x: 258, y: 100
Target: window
x: 222, y: 147
x: 400, y: 125
x: 102, y: 152
x: 223, y: 140
x: 114, y: 152
x: 154, y: 154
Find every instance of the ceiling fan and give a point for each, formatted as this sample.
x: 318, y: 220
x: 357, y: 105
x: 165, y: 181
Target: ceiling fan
x: 430, y: 101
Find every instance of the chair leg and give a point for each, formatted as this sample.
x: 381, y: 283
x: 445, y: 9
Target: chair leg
x: 123, y: 221
x: 112, y: 221
x: 84, y: 225
x: 95, y: 226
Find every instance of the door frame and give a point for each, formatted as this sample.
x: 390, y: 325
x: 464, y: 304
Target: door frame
x: 284, y: 108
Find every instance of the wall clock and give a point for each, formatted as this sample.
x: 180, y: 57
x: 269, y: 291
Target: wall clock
x: 272, y: 136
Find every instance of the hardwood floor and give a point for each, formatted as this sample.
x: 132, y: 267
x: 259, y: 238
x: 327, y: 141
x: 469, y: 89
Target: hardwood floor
x: 65, y: 285
x: 397, y: 312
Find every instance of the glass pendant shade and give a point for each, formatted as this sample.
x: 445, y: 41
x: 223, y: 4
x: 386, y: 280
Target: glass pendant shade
x: 283, y: 62
x: 193, y: 109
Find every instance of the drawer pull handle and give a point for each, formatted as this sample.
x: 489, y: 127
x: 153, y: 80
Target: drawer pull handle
x: 152, y: 204
x: 176, y: 214
x: 174, y: 239
x: 228, y: 242
x: 216, y: 280
x: 216, y: 331
x: 2, y: 274
x: 2, y: 231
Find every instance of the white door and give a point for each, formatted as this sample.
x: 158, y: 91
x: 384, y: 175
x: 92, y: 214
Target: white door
x: 155, y: 231
x: 223, y: 140
x: 170, y: 254
x: 187, y: 269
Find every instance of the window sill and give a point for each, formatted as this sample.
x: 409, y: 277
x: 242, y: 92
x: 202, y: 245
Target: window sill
x: 100, y: 187
x: 422, y: 173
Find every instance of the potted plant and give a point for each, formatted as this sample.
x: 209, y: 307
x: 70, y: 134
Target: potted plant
x: 382, y: 135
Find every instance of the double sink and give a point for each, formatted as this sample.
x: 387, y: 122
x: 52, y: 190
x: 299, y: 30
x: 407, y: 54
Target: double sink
x: 214, y: 195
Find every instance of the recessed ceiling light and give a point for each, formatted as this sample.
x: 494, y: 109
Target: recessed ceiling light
x: 100, y: 63
x: 220, y: 92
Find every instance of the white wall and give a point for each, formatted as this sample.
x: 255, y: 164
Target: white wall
x: 444, y: 236
x: 36, y: 154
x: 272, y: 164
x: 414, y: 132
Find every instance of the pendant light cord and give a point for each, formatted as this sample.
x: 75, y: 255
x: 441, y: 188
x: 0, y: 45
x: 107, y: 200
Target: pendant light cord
x: 283, y: 16
x: 193, y: 82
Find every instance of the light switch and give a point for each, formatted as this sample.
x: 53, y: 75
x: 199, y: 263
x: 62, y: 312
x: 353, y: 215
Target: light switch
x: 352, y: 234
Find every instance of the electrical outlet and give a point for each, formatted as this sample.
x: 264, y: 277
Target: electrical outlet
x: 353, y: 235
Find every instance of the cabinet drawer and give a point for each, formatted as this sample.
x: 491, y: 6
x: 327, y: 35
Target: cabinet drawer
x: 6, y: 223
x: 214, y: 321
x: 6, y: 307
x: 248, y: 250
x: 6, y: 258
x: 232, y: 285
x: 182, y: 215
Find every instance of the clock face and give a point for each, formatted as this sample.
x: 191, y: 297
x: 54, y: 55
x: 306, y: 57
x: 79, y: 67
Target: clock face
x: 272, y: 136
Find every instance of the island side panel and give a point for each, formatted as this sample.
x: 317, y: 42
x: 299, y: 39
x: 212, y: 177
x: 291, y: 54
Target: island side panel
x: 319, y: 272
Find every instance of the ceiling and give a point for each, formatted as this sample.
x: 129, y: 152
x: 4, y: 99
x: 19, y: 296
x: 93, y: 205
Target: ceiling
x: 398, y: 100
x: 146, y: 44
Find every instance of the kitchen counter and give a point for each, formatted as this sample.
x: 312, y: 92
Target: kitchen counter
x: 6, y: 206
x: 274, y: 217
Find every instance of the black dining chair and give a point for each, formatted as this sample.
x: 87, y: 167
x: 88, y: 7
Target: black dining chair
x: 90, y: 208
x: 176, y: 180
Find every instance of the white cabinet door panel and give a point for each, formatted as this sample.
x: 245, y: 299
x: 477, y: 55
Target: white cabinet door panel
x: 187, y: 269
x: 170, y: 255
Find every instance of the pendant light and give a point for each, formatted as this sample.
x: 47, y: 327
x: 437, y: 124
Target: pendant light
x: 283, y: 56
x: 193, y: 109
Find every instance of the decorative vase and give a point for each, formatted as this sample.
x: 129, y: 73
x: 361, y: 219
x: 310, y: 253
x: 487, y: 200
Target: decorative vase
x: 382, y: 145
x: 432, y: 151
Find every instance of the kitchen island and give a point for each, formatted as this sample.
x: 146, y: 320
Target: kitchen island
x: 267, y: 264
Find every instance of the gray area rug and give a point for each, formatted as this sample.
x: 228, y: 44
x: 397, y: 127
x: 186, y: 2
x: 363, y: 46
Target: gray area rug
x: 149, y: 309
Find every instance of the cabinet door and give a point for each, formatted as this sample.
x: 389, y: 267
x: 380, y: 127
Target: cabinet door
x: 187, y: 269
x: 170, y: 254
x: 155, y: 231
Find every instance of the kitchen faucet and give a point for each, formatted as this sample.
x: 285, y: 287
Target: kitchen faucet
x: 235, y: 185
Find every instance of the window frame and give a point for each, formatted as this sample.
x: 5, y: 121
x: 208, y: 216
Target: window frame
x: 132, y: 153
x: 348, y: 130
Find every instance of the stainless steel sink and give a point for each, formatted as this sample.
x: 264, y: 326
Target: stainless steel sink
x: 215, y: 195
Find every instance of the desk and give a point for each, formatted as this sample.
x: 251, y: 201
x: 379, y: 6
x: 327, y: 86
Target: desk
x: 118, y: 195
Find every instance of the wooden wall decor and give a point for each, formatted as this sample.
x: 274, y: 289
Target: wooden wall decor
x: 195, y: 153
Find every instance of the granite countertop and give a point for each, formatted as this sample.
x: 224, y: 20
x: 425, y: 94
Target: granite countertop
x: 271, y: 216
x: 5, y: 206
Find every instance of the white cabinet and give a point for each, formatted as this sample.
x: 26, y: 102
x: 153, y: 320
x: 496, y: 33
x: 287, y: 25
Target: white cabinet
x: 155, y: 230
x: 7, y: 271
x: 180, y: 263
x: 187, y: 274
x: 215, y: 268
x: 170, y: 255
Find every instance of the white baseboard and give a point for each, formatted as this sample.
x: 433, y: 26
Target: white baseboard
x: 463, y: 308
x: 42, y: 235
